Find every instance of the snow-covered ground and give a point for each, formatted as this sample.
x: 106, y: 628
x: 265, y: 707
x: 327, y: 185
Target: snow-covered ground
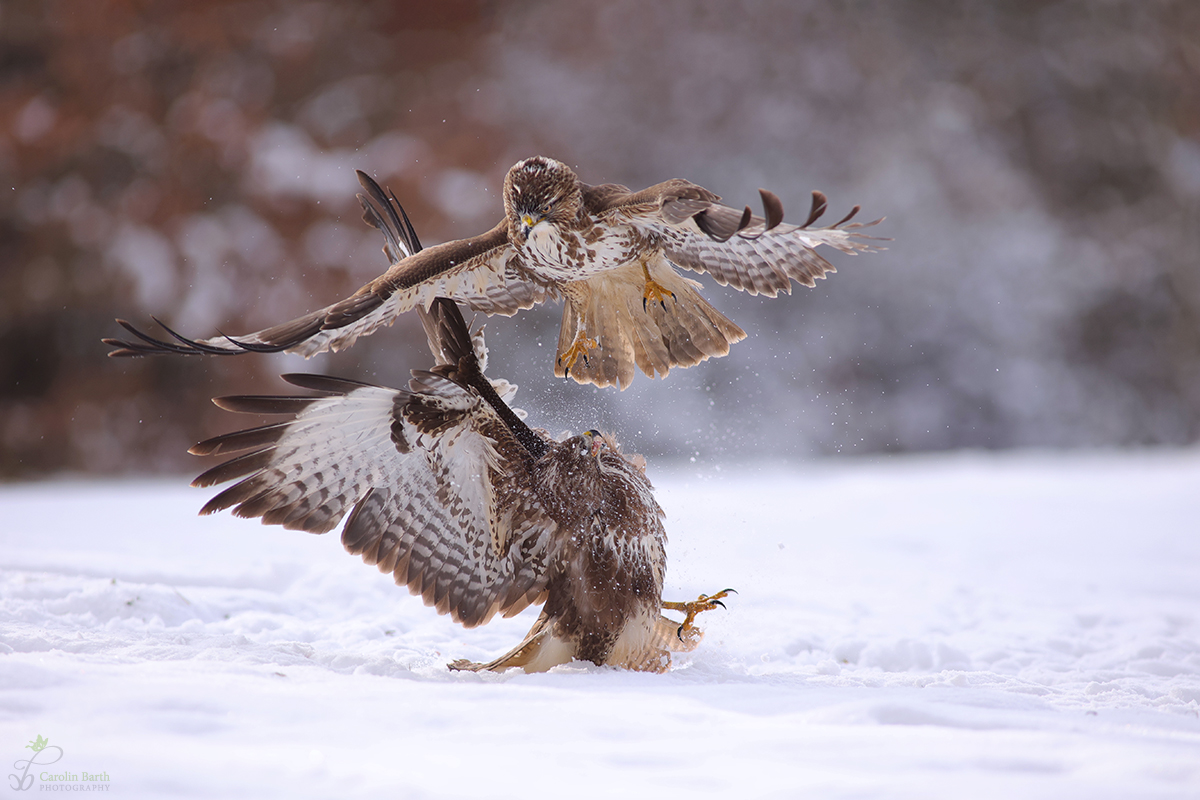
x: 959, y: 626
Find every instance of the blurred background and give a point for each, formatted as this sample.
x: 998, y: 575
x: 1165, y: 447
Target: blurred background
x: 1038, y: 164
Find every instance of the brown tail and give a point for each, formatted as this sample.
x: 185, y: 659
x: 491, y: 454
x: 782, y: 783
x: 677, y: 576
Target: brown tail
x: 682, y: 331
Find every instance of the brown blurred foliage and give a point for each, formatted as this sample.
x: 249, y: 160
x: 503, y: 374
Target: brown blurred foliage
x: 137, y: 188
x: 1039, y: 163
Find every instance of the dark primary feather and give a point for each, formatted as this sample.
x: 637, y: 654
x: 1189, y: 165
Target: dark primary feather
x: 250, y: 439
x: 323, y: 383
x: 263, y: 404
x: 383, y: 211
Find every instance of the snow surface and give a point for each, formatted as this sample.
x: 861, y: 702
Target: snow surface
x: 963, y: 626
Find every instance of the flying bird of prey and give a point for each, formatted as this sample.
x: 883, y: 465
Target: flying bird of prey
x: 467, y: 506
x: 611, y: 254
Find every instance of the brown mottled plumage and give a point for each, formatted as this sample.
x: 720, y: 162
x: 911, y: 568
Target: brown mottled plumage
x: 610, y: 253
x: 463, y: 503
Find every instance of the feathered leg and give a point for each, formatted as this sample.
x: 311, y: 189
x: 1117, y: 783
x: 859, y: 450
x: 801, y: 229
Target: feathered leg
x: 573, y: 341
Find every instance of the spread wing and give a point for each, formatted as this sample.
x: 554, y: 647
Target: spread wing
x: 437, y: 488
x: 754, y: 254
x: 484, y: 272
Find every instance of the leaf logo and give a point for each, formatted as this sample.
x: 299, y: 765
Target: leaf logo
x: 42, y: 752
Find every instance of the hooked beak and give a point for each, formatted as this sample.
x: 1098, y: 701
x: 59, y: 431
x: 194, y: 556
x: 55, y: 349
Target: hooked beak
x: 597, y: 443
x: 528, y: 221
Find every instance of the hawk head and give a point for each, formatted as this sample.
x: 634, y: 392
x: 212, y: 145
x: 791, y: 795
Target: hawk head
x: 540, y: 189
x: 582, y: 452
x: 572, y: 475
x: 592, y: 442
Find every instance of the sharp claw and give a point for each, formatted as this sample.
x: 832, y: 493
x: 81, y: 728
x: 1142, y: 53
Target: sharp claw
x: 718, y: 603
x: 663, y: 303
x: 679, y: 633
x: 643, y: 304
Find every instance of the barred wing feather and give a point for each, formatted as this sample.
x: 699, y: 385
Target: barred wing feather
x: 430, y: 477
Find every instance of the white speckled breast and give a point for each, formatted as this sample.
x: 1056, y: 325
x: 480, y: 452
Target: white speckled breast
x: 567, y: 256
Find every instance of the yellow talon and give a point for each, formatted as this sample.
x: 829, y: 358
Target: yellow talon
x: 577, y: 349
x: 706, y: 602
x: 654, y: 291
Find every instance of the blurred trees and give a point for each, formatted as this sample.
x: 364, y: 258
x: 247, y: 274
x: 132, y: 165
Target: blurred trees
x: 1039, y: 164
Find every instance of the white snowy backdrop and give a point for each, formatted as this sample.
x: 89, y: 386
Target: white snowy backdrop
x: 953, y: 627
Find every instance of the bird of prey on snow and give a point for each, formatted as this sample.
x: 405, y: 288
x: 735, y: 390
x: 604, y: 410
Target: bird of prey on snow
x: 447, y: 489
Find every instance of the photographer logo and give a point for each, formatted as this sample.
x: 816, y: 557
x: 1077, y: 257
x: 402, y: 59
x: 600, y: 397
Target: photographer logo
x: 32, y: 770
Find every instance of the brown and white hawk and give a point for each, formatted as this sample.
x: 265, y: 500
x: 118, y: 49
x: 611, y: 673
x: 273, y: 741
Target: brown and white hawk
x: 609, y: 253
x: 447, y: 489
